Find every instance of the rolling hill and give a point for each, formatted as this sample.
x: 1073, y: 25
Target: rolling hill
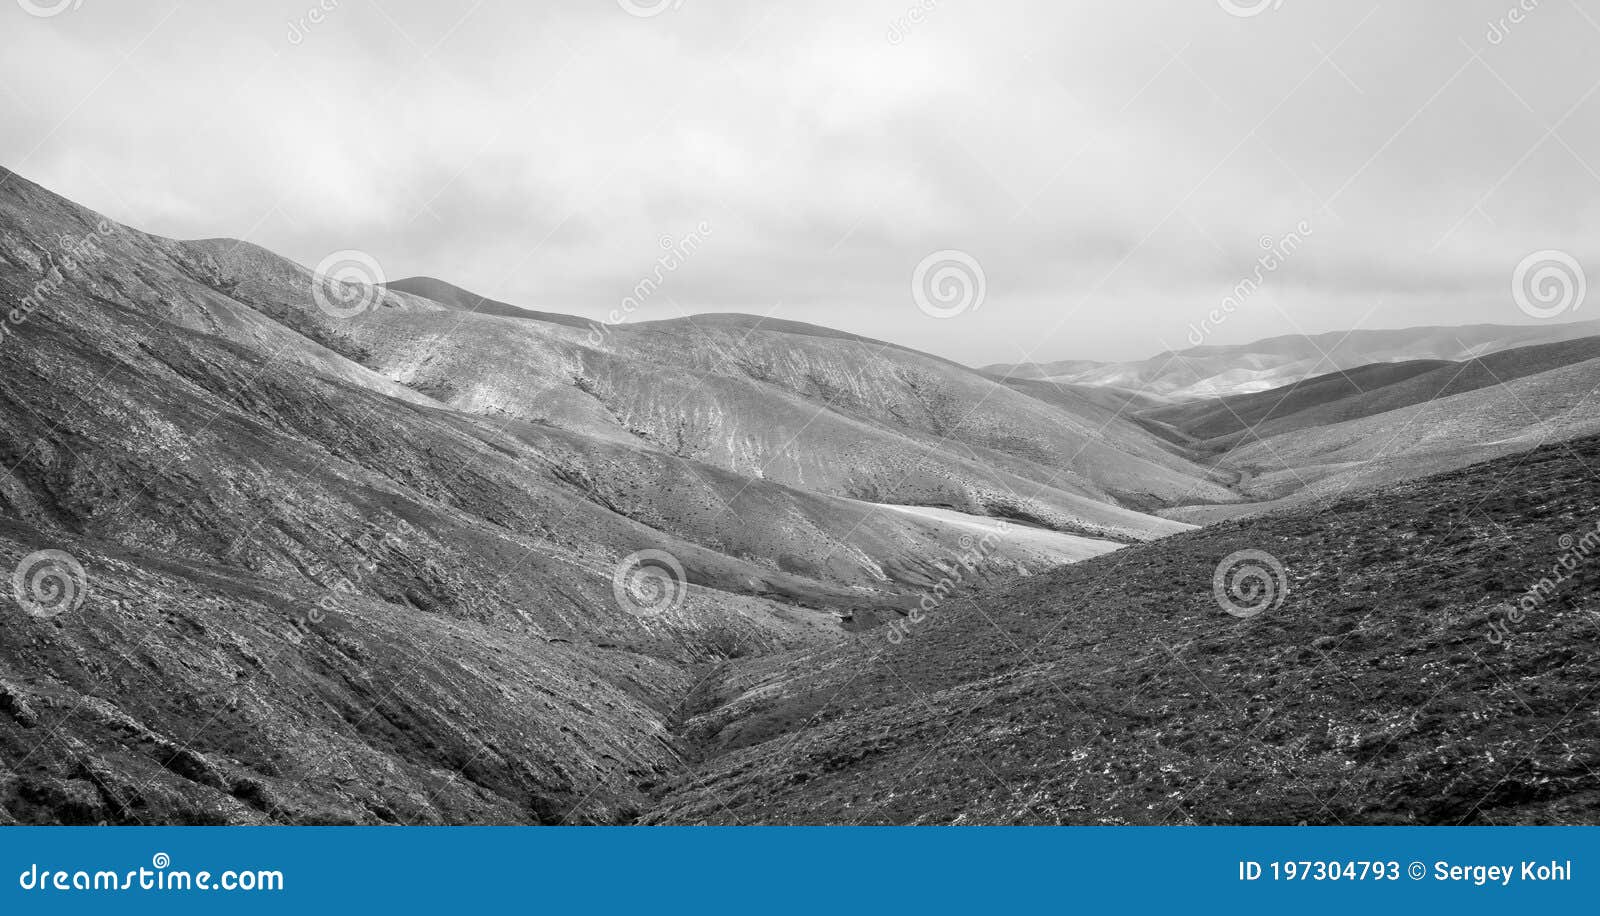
x: 376, y: 564
x: 1361, y: 392
x: 1209, y: 371
x: 1117, y: 691
x: 1382, y: 424
x: 364, y: 570
x: 1435, y: 435
x: 826, y: 412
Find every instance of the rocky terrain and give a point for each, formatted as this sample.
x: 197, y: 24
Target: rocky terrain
x: 1391, y: 683
x: 769, y: 400
x: 362, y: 569
x: 340, y: 553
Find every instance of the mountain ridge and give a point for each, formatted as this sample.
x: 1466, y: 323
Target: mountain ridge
x: 378, y: 565
x: 320, y: 591
x: 1212, y: 370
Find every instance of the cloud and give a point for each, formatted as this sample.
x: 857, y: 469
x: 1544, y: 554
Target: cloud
x: 1114, y: 167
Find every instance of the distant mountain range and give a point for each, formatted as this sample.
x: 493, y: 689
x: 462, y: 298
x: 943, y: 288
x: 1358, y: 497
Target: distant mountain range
x: 1396, y: 418
x: 1386, y: 423
x: 354, y: 553
x: 1217, y: 371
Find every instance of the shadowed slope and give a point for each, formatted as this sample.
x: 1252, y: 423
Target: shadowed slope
x: 316, y: 594
x: 1117, y: 690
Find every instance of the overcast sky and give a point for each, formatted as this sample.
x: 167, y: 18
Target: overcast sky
x: 1114, y: 167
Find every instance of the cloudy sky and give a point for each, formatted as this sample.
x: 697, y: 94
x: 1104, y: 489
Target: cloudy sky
x: 1114, y: 169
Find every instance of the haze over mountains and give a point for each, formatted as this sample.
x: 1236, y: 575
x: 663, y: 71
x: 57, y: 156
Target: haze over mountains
x: 451, y: 483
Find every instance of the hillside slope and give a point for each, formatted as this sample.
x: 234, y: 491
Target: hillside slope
x: 1436, y: 435
x: 1361, y: 392
x: 312, y: 593
x: 791, y: 403
x: 1117, y: 691
x: 823, y: 411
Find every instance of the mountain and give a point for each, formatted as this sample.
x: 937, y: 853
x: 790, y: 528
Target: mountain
x: 459, y: 299
x: 1389, y: 683
x: 384, y: 567
x: 1361, y: 392
x: 829, y: 413
x: 1217, y: 371
x: 329, y: 552
x: 1384, y: 423
x: 1431, y: 436
x: 1365, y: 426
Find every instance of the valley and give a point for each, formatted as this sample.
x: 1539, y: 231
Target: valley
x: 374, y: 567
